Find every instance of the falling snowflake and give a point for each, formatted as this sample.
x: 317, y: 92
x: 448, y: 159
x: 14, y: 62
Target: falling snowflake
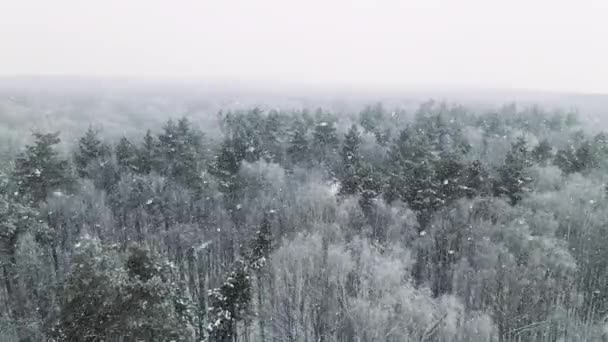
x: 148, y: 202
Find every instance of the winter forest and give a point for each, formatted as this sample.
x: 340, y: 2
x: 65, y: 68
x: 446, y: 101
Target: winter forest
x: 436, y: 222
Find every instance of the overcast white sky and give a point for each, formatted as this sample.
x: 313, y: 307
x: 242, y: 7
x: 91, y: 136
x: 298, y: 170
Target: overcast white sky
x: 533, y: 44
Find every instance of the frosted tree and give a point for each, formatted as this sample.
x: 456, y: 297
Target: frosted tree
x: 90, y: 150
x: 40, y: 170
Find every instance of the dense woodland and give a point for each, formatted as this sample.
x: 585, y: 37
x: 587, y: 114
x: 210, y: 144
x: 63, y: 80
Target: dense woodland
x: 439, y: 224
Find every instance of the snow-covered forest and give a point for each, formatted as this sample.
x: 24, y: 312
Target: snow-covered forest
x: 437, y: 222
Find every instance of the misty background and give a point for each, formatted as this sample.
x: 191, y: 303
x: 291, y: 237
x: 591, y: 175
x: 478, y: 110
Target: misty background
x: 534, y: 45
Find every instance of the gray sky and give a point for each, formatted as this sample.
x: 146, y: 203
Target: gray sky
x: 532, y: 44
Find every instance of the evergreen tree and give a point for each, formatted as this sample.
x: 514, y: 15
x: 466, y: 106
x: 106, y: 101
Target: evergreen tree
x: 600, y: 149
x: 259, y: 256
x: 371, y: 117
x: 272, y: 138
x: 412, y: 174
x: 565, y: 159
x: 40, y: 171
x: 153, y: 308
x: 513, y: 178
x: 90, y: 149
x: 18, y: 221
x: 476, y: 180
x: 585, y: 157
x: 245, y: 131
x: 146, y: 155
x: 299, y: 150
x: 261, y: 246
x: 230, y: 304
x: 351, y: 163
x: 180, y: 149
x: 451, y: 173
x: 542, y: 153
x: 383, y: 137
x: 106, y: 299
x: 126, y: 155
x: 88, y: 301
x: 577, y: 158
x: 325, y: 138
x: 226, y: 169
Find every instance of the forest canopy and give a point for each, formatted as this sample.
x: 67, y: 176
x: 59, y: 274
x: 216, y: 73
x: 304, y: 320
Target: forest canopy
x: 439, y: 224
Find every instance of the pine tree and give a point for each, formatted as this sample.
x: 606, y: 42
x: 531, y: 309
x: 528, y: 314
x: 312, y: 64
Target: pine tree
x: 412, y: 174
x: 40, y: 171
x: 351, y: 163
x: 578, y: 157
x: 153, y: 308
x: 299, y: 150
x: 476, y: 180
x: 513, y: 176
x: 90, y: 149
x: 106, y: 299
x: 245, y: 131
x: 146, y: 155
x: 272, y: 138
x: 230, y: 304
x: 126, y: 155
x: 542, y: 153
x: 190, y: 150
x: 585, y: 157
x: 226, y: 169
x: 325, y: 138
x: 19, y: 221
x: 88, y: 301
x: 565, y: 159
x: 371, y: 117
x: 261, y: 246
x: 258, y: 259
